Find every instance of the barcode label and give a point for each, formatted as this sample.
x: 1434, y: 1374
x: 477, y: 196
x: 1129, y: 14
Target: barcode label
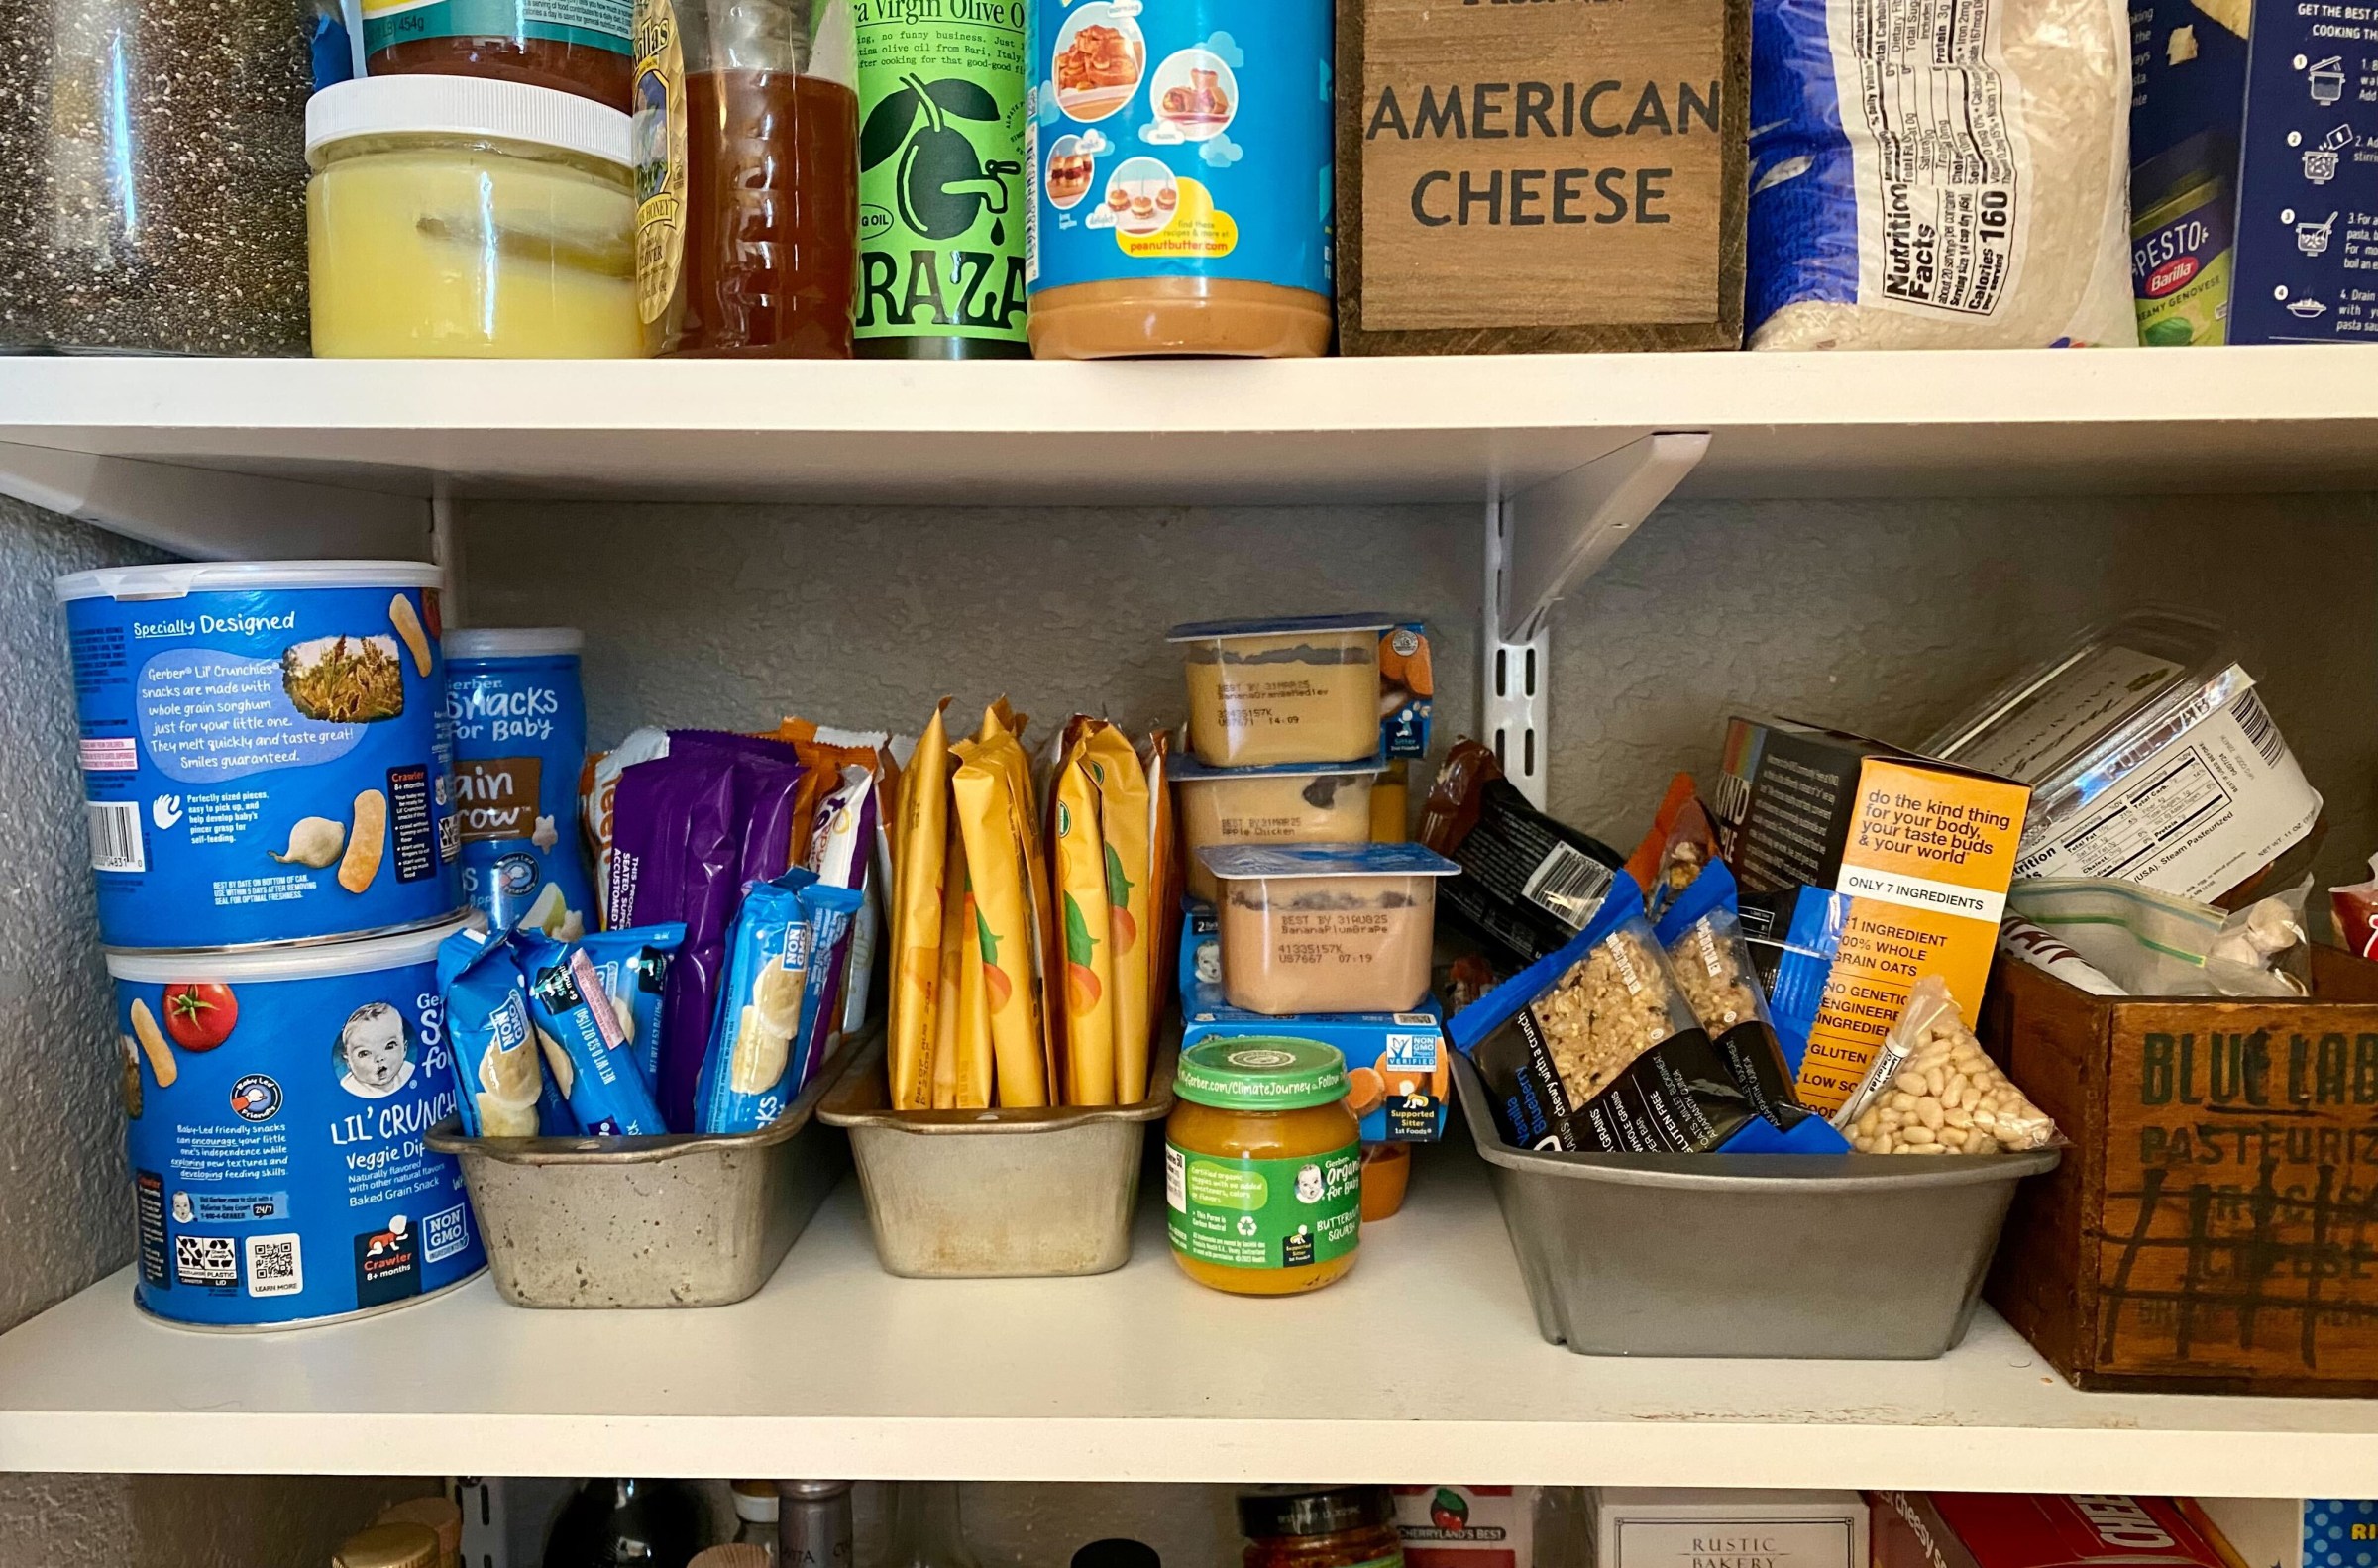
x: 276, y: 1267
x: 115, y: 835
x: 2255, y: 722
x: 1568, y: 885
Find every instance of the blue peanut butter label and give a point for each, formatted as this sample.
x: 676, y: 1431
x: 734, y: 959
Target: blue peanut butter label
x: 279, y: 1168
x: 1180, y: 139
x: 264, y: 766
x: 519, y: 738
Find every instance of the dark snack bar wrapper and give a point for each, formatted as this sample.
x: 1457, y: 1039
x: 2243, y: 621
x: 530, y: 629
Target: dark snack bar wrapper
x: 1528, y: 883
x: 1701, y: 934
x: 691, y: 832
x: 1592, y: 1049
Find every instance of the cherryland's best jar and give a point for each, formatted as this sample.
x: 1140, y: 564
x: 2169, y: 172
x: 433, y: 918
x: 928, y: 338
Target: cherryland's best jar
x: 458, y: 217
x: 1262, y: 1166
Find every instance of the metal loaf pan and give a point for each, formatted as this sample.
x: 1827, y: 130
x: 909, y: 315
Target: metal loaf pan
x: 667, y: 1221
x: 978, y: 1193
x: 1859, y: 1257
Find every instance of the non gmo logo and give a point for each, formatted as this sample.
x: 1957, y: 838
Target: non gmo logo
x: 256, y: 1097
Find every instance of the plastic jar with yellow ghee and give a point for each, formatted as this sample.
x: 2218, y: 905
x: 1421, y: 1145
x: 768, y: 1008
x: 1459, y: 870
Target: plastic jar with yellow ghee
x: 1179, y: 164
x: 1262, y: 1166
x: 468, y: 218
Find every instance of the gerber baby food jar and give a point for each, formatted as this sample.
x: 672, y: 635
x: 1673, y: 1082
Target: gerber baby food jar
x: 1262, y: 1166
x: 1180, y: 161
x: 262, y: 748
x: 278, y: 1102
x: 519, y: 723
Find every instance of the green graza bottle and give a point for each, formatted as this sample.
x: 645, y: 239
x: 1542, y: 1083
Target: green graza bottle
x: 941, y: 187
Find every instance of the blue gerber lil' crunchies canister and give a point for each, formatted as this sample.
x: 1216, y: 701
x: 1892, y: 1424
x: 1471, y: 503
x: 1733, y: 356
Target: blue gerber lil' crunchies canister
x: 519, y: 739
x: 279, y: 1101
x: 1180, y: 159
x: 264, y: 752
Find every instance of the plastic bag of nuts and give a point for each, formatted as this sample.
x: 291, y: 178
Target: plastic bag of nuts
x: 1932, y: 1091
x: 1701, y: 934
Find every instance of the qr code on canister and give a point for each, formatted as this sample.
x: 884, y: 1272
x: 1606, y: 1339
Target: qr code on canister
x: 276, y: 1266
x: 206, y: 1260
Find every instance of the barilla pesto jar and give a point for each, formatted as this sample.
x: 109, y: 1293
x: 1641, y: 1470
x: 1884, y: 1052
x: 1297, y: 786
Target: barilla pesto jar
x: 520, y: 724
x: 1262, y: 1166
x: 1179, y: 155
x: 263, y: 750
x: 279, y: 1101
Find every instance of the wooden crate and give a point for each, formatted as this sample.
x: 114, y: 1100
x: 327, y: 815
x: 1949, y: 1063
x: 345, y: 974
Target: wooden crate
x: 1530, y: 176
x: 2214, y: 1229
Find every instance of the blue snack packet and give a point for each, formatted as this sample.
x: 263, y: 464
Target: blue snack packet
x: 832, y: 912
x: 585, y: 1050
x: 501, y: 1088
x: 634, y: 967
x: 750, y: 1064
x: 1702, y: 933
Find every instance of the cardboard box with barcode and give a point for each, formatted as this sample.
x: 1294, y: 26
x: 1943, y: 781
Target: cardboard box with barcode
x: 1708, y: 1527
x: 1966, y: 1530
x: 1923, y: 850
x: 1398, y: 1076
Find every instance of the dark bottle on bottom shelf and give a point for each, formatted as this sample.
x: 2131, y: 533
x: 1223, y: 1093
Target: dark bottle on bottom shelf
x: 626, y: 1524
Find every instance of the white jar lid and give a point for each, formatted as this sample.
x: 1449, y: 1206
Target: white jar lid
x: 477, y: 106
x: 512, y: 642
x: 175, y: 579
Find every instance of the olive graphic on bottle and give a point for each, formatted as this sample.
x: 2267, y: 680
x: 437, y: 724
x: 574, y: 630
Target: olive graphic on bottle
x: 940, y: 182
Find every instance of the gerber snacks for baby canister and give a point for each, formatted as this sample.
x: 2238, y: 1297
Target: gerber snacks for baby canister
x: 519, y: 723
x: 279, y: 1101
x: 262, y: 748
x: 1180, y: 159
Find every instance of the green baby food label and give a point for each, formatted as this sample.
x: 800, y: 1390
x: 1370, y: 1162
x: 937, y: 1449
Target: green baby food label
x: 941, y: 186
x: 599, y: 23
x: 1264, y: 1213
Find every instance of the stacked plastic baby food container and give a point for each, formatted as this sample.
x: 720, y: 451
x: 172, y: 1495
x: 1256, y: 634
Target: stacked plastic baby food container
x: 1310, y: 922
x: 267, y: 787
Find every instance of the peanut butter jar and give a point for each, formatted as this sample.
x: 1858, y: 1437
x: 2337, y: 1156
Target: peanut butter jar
x: 1326, y: 927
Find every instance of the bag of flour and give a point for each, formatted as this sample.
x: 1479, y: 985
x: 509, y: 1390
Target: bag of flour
x: 1939, y: 174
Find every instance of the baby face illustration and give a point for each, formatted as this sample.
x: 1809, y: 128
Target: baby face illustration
x: 1308, y: 1184
x: 373, y: 1042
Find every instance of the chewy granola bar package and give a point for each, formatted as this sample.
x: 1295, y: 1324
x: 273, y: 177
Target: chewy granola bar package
x: 1595, y: 1049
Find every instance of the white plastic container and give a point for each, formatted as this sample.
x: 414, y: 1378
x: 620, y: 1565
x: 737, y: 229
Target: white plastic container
x: 1326, y: 927
x: 1291, y: 803
x: 1297, y: 690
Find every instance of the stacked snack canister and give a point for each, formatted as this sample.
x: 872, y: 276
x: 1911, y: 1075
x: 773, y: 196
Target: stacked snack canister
x: 267, y: 786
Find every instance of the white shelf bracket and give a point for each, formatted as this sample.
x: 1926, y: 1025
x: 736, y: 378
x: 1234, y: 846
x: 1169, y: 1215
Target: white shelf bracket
x: 1540, y: 544
x: 209, y: 514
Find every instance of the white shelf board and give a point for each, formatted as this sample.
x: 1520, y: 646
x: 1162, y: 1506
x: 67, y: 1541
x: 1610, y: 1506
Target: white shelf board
x: 1423, y: 1363
x: 2287, y: 418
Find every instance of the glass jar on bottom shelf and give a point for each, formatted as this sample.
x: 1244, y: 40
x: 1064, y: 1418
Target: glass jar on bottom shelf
x: 1319, y: 1527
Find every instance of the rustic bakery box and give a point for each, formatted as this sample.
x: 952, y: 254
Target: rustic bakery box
x: 2214, y: 1229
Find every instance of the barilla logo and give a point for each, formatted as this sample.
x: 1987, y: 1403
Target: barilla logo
x: 2124, y: 1522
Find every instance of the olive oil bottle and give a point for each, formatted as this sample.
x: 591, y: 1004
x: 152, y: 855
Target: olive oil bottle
x: 942, y: 188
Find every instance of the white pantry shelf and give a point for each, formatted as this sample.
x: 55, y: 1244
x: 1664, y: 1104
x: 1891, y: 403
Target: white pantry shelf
x: 2047, y: 421
x: 1424, y: 1363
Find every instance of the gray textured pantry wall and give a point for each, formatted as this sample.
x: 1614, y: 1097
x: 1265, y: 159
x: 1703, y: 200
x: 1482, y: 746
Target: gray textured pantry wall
x: 65, y: 1208
x: 1884, y: 616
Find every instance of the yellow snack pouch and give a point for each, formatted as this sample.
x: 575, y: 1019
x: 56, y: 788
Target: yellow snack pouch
x: 1125, y: 825
x: 961, y: 1029
x: 998, y: 863
x: 1165, y: 878
x: 1002, y: 737
x: 919, y: 866
x: 1092, y: 988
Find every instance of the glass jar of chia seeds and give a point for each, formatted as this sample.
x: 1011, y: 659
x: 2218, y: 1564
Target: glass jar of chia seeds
x: 156, y: 152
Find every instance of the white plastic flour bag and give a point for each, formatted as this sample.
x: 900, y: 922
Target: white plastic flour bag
x: 1939, y: 174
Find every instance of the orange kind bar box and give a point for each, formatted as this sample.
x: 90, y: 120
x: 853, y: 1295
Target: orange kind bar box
x: 1922, y: 850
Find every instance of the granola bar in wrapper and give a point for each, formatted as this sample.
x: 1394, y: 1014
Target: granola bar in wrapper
x: 1593, y: 1048
x: 1701, y: 934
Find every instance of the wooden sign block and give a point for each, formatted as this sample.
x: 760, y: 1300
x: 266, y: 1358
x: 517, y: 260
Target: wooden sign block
x: 2215, y: 1226
x: 1540, y: 174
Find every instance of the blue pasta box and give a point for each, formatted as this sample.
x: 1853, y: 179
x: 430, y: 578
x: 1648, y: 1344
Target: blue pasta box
x: 2253, y: 159
x: 1397, y: 1071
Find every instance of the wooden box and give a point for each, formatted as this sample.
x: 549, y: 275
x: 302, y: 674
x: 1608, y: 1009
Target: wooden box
x: 2214, y: 1229
x: 1540, y: 174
